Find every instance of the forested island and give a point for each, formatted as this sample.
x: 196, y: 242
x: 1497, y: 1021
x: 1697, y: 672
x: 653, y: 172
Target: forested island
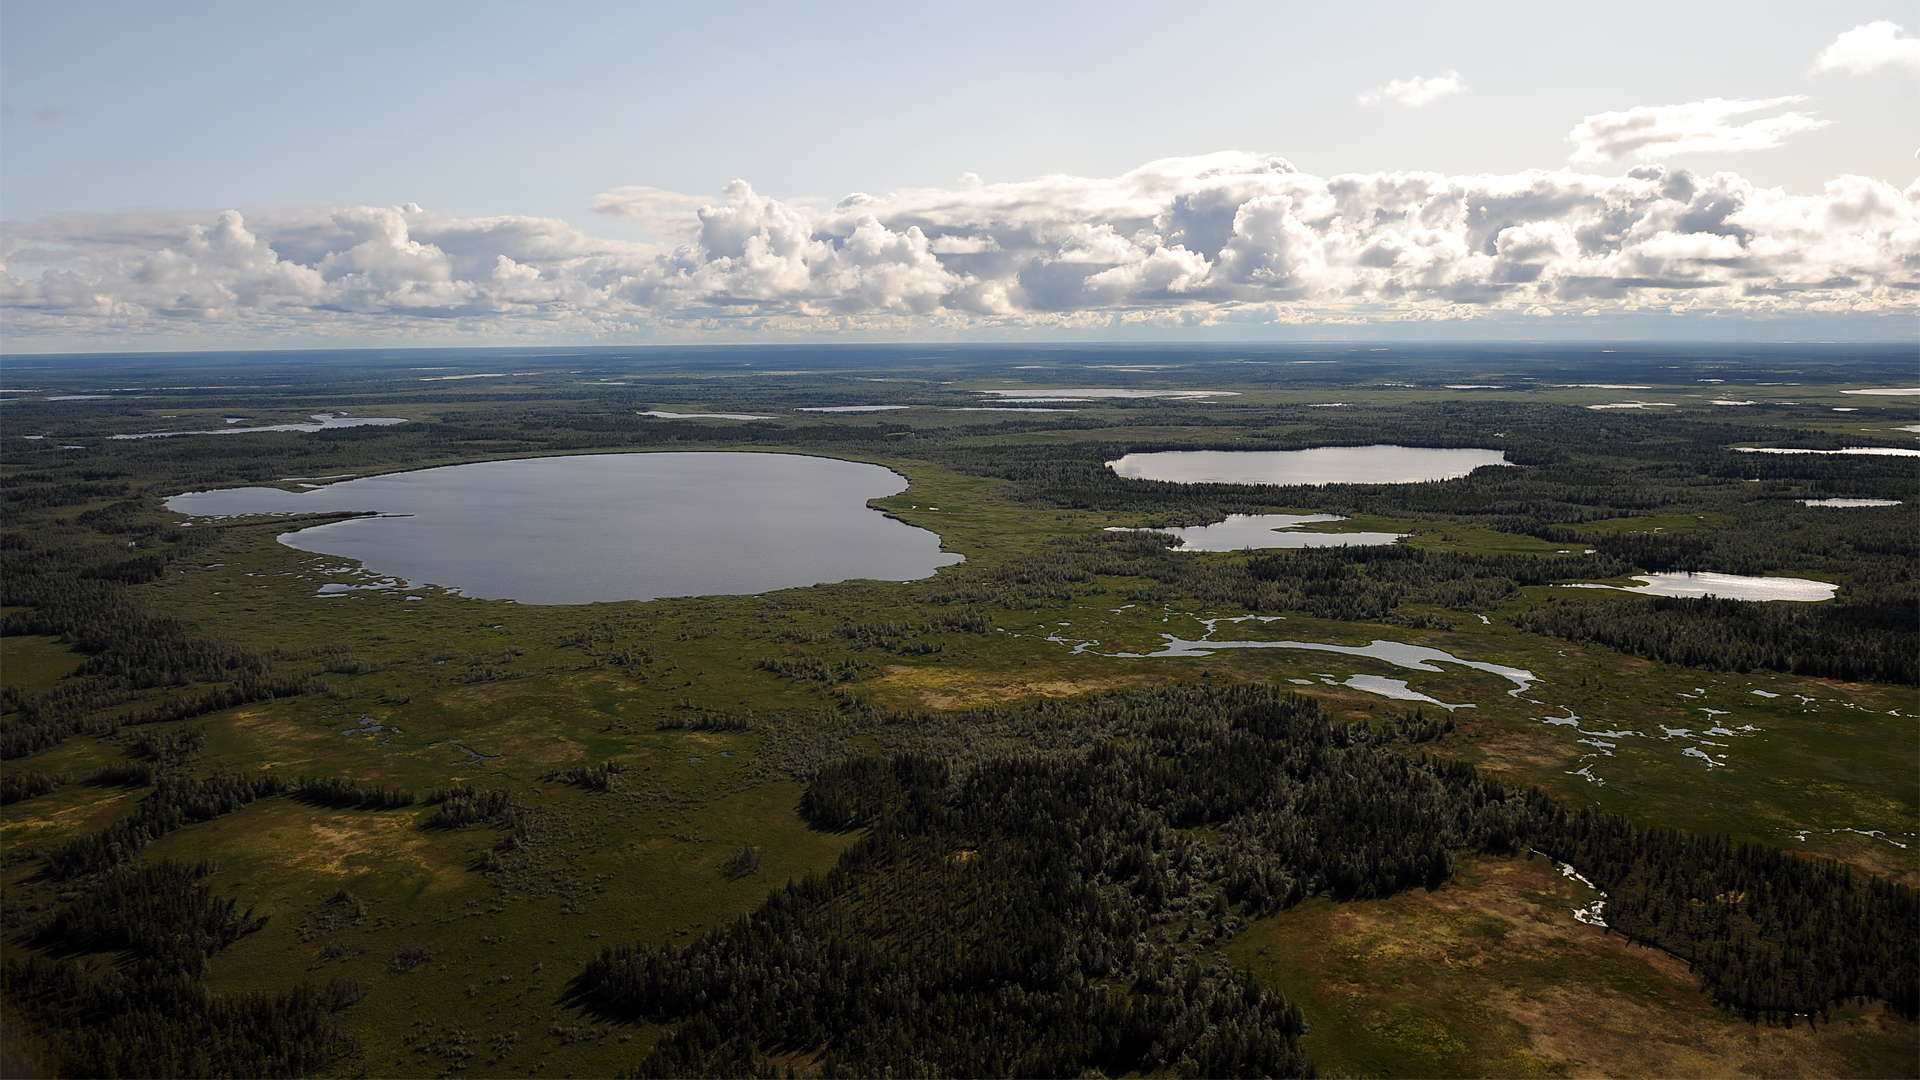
x: 1082, y: 803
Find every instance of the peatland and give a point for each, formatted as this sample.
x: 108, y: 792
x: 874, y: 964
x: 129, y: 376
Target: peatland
x: 1081, y: 804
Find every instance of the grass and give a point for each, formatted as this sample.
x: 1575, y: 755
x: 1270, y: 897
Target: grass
x: 1490, y: 975
x: 502, y: 946
x: 36, y: 663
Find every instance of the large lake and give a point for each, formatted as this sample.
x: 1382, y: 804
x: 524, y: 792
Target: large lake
x: 573, y: 530
x: 1380, y: 464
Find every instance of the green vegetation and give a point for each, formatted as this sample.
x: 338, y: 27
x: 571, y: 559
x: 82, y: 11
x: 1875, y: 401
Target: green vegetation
x: 967, y: 824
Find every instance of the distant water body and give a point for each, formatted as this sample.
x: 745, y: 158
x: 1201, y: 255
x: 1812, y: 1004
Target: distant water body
x: 321, y: 422
x: 574, y: 530
x: 1242, y: 531
x: 1725, y: 586
x: 1380, y: 464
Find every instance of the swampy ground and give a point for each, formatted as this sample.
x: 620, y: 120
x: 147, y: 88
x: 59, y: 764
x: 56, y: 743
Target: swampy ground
x: 717, y: 711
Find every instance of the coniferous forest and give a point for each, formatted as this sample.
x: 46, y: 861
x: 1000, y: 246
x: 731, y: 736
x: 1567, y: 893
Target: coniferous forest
x: 1082, y: 803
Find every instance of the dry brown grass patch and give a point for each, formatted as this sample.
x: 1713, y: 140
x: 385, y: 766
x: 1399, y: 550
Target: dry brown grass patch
x: 953, y: 688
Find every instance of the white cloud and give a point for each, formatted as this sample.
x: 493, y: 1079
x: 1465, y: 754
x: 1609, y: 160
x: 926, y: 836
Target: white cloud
x: 659, y: 213
x: 1415, y: 92
x: 1651, y: 131
x: 1869, y: 47
x: 1176, y: 242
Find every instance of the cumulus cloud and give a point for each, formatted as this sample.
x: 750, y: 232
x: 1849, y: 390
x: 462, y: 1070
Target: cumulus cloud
x: 1415, y: 92
x: 1652, y: 131
x: 1181, y: 241
x: 1869, y: 47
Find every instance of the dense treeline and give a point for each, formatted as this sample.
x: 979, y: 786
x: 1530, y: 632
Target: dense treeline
x: 1770, y: 933
x: 151, y: 1015
x: 69, y: 584
x: 1018, y: 919
x: 462, y: 805
x: 347, y: 795
x: 160, y: 910
x: 18, y: 784
x: 592, y: 777
x: 1875, y: 641
x: 900, y: 636
x: 123, y: 774
x: 1370, y: 582
x: 176, y: 801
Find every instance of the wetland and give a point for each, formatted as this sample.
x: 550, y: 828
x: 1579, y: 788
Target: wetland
x: 275, y: 804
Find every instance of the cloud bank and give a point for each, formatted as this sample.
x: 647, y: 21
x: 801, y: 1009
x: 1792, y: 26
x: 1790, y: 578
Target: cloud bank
x: 1179, y: 242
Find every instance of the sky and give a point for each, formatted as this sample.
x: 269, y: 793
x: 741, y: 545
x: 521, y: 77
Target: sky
x: 202, y: 175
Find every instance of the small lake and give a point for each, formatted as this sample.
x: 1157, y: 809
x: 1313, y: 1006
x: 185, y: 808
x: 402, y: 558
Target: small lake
x: 1081, y: 393
x: 1242, y: 531
x: 1725, y: 586
x: 1860, y: 451
x: 574, y: 530
x: 1851, y: 502
x: 1379, y: 464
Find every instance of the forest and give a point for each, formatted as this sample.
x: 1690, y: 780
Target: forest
x: 969, y: 824
x: 1054, y: 897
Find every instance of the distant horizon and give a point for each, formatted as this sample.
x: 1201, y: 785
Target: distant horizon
x: 576, y: 348
x: 1909, y: 341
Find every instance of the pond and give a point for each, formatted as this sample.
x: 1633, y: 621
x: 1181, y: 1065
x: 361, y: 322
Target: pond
x: 1379, y: 464
x: 1242, y: 531
x: 573, y: 530
x: 1860, y: 451
x: 1725, y: 586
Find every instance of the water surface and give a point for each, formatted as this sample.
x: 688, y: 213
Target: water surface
x: 321, y: 422
x: 1397, y: 653
x: 1726, y: 586
x: 659, y: 415
x: 1242, y: 531
x: 1379, y: 464
x: 1081, y: 393
x: 1861, y: 451
x: 572, y: 530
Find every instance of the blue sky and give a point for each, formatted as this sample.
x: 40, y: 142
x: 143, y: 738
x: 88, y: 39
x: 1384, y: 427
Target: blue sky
x: 325, y: 149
